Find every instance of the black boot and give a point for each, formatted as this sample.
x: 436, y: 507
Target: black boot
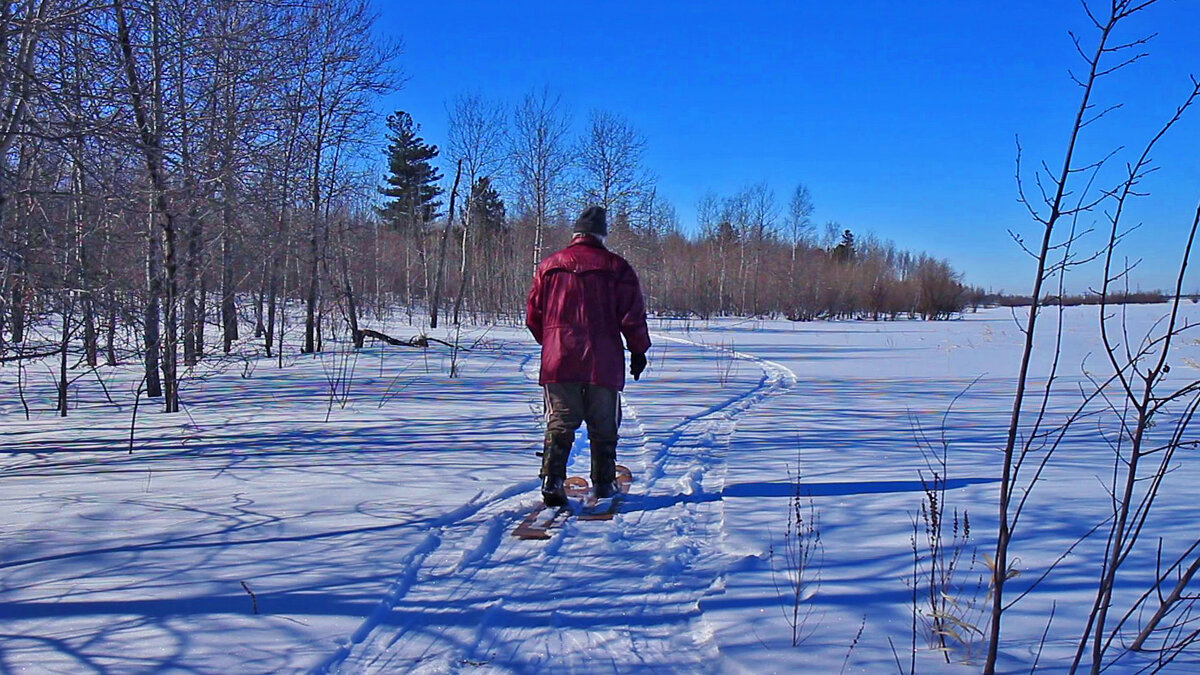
x: 553, y: 494
x: 554, y: 469
x: 604, y: 469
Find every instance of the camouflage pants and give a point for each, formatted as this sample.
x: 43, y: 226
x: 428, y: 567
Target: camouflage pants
x: 567, y: 407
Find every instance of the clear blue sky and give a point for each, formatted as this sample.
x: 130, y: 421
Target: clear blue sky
x: 901, y: 118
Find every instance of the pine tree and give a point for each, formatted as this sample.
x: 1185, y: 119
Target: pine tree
x: 411, y: 180
x: 487, y: 209
x: 844, y: 252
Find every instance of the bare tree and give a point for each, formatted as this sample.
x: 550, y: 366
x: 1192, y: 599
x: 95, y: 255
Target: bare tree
x: 800, y: 230
x: 287, y: 126
x: 1141, y: 399
x: 346, y: 68
x: 1064, y: 196
x: 799, y: 218
x: 763, y: 216
x: 540, y: 158
x: 148, y: 116
x: 436, y: 297
x: 477, y: 138
x: 21, y: 27
x: 736, y: 220
x: 610, y: 164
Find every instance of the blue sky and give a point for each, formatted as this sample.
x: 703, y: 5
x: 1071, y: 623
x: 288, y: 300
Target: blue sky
x: 901, y: 118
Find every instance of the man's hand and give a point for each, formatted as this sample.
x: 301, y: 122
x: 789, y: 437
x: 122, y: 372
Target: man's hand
x: 637, y: 363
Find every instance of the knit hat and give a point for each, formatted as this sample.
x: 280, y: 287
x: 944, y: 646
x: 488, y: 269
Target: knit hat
x: 591, y: 221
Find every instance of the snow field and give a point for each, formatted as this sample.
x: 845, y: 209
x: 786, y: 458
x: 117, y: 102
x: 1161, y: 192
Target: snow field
x: 374, y: 536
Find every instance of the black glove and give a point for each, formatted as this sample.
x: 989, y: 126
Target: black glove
x: 637, y: 363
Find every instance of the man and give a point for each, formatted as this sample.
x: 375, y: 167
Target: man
x: 583, y: 299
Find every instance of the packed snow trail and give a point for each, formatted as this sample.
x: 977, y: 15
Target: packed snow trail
x: 598, y: 596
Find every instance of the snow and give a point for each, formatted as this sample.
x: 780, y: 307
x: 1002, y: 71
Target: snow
x: 371, y: 531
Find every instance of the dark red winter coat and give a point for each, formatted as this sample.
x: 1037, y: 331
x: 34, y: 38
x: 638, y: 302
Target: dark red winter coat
x: 583, y: 299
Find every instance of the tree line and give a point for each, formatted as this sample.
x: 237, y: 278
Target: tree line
x: 179, y: 179
x: 528, y: 177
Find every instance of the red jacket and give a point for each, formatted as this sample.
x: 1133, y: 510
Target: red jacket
x: 583, y: 299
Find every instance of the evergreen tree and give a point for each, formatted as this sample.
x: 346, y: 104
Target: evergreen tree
x: 412, y: 182
x: 726, y: 235
x: 844, y: 252
x: 487, y: 208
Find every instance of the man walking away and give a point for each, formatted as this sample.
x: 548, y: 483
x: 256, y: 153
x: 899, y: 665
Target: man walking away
x: 583, y: 299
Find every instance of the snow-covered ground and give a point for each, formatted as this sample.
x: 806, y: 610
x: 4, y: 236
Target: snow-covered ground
x: 272, y: 527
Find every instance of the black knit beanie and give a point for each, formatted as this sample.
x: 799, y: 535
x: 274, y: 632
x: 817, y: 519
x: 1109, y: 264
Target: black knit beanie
x: 592, y: 221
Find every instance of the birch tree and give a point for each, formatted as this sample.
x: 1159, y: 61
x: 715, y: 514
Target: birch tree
x: 540, y: 157
x: 477, y: 138
x: 610, y: 164
x: 347, y: 68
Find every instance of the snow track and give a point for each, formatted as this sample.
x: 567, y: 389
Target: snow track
x: 274, y: 528
x: 598, y: 596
